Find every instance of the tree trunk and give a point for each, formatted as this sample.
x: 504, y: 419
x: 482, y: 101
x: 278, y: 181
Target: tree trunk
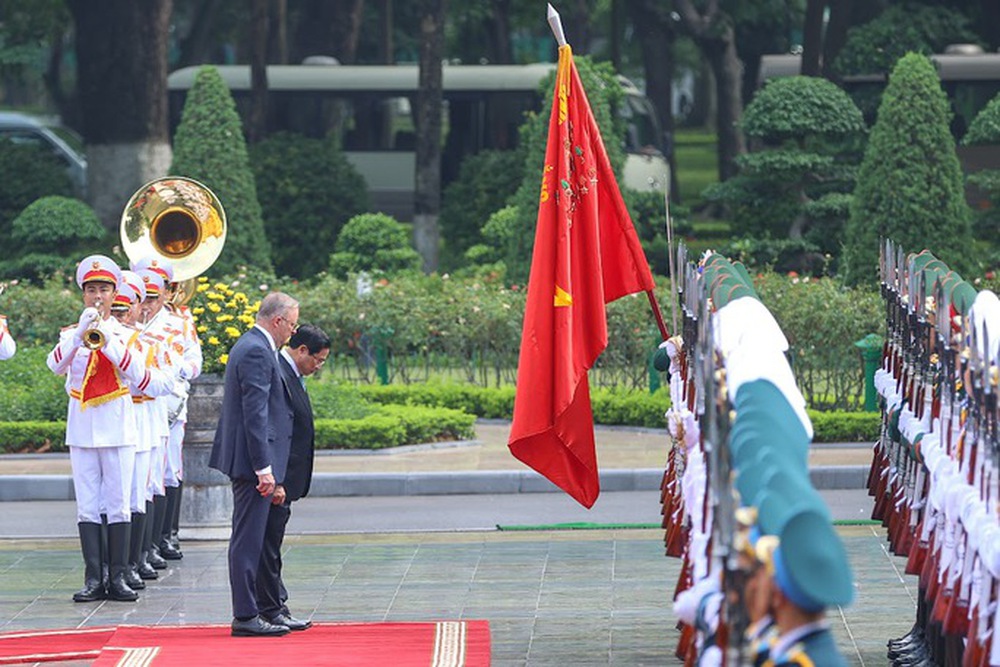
x: 500, y: 30
x: 836, y: 33
x: 812, y: 38
x: 654, y: 28
x: 121, y: 50
x: 713, y: 32
x: 385, y: 23
x: 277, y: 34
x: 260, y: 21
x: 197, y: 45
x: 427, y: 188
x: 329, y: 28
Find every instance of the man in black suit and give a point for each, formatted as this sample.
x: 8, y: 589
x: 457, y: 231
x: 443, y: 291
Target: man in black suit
x: 307, y: 351
x: 251, y: 446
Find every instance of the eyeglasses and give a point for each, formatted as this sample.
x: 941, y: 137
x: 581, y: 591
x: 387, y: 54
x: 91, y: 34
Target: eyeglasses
x: 293, y: 325
x: 318, y: 359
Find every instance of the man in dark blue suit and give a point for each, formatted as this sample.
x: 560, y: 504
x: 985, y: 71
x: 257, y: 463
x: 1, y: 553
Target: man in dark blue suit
x: 251, y: 446
x: 306, y: 352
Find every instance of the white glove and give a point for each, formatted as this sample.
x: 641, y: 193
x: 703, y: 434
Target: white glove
x: 87, y: 318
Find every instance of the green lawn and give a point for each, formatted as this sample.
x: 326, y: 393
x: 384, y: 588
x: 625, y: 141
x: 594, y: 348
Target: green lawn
x: 697, y: 168
x: 697, y: 163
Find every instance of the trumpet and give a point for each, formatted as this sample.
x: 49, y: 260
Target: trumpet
x: 94, y: 338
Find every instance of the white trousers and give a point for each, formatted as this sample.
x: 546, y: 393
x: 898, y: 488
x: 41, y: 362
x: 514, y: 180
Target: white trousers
x: 140, y: 481
x: 102, y: 480
x: 157, y: 461
x: 173, y: 473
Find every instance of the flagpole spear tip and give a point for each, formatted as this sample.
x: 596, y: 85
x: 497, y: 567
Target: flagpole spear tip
x: 556, y: 24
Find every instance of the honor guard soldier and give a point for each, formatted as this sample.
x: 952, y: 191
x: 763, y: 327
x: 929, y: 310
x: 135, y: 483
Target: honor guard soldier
x: 180, y: 335
x: 156, y: 504
x: 101, y: 430
x: 809, y: 573
x: 7, y: 345
x: 130, y: 295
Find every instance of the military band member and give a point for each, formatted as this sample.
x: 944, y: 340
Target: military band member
x: 179, y: 334
x: 7, y: 344
x: 151, y: 560
x: 130, y: 295
x: 101, y: 430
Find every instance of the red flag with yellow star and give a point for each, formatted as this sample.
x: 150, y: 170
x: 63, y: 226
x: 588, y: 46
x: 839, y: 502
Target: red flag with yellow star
x: 586, y: 255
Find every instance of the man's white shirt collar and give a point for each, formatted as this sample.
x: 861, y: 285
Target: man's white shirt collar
x: 270, y: 341
x: 291, y: 362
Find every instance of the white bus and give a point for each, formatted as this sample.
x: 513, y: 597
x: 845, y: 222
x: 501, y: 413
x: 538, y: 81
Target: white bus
x: 368, y: 108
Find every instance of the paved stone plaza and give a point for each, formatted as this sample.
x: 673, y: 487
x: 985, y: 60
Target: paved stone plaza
x: 559, y: 598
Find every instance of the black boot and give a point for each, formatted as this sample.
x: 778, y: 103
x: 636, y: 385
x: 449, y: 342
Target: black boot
x: 90, y: 545
x: 118, y: 544
x: 162, y: 537
x: 175, y: 526
x: 146, y: 569
x: 135, y: 535
x: 155, y: 528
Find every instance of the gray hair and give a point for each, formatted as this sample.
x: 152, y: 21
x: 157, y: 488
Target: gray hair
x: 275, y: 304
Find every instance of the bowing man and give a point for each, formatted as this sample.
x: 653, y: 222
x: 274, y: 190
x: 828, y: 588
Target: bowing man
x: 251, y: 447
x: 307, y: 351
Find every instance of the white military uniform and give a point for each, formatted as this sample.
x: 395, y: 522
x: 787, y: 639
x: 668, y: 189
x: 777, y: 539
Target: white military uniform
x: 7, y: 345
x: 101, y: 432
x: 179, y: 335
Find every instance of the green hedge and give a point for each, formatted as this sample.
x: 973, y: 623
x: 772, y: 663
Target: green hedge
x: 31, y: 437
x: 845, y: 426
x: 395, y: 425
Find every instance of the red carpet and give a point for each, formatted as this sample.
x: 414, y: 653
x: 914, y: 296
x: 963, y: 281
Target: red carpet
x: 441, y: 644
x: 53, y: 645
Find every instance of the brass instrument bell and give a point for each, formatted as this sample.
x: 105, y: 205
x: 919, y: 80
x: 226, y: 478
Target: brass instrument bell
x: 94, y: 338
x: 177, y: 219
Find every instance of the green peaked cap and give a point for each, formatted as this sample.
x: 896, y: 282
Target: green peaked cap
x: 810, y: 564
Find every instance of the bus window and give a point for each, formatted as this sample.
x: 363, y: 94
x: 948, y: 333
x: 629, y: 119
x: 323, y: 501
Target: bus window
x: 369, y: 110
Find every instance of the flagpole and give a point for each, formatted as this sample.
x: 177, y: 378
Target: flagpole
x: 555, y: 23
x: 670, y: 255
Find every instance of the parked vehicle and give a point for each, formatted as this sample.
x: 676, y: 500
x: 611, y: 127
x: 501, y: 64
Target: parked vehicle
x: 24, y: 129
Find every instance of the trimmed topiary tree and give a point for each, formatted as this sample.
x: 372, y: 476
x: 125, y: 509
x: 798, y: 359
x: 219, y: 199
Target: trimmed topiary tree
x: 485, y: 181
x: 209, y: 147
x: 50, y: 235
x: 807, y: 144
x: 376, y: 243
x: 27, y: 172
x: 308, y: 191
x: 605, y: 95
x: 910, y: 184
x: 985, y: 131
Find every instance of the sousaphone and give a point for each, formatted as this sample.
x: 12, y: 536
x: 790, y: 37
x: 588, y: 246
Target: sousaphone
x: 179, y: 220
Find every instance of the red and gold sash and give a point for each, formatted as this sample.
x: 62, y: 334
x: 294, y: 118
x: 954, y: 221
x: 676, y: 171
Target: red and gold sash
x: 101, y: 383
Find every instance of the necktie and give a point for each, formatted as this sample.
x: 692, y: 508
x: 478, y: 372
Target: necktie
x: 302, y: 381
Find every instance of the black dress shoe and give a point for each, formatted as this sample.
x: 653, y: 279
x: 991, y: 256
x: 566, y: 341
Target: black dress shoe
x: 257, y: 627
x: 290, y: 622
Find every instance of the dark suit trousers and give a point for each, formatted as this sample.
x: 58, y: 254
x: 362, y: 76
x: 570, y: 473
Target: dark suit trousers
x: 271, y: 593
x: 250, y: 511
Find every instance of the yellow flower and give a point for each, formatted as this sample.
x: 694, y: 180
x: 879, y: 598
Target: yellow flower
x: 215, y: 296
x: 233, y: 332
x: 214, y: 307
x: 213, y: 341
x: 223, y: 318
x: 240, y: 297
x: 203, y: 287
x: 202, y: 329
x: 247, y: 320
x: 223, y: 359
x: 198, y: 311
x: 203, y: 279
